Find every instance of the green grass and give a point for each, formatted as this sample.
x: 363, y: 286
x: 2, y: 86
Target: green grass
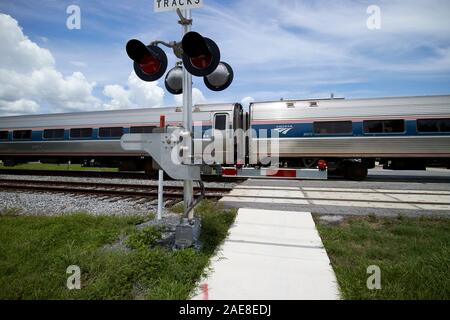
x: 178, y: 208
x: 36, y: 251
x: 44, y: 166
x: 413, y: 255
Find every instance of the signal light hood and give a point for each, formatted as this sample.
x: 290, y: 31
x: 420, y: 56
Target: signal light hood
x: 150, y: 62
x: 201, y: 55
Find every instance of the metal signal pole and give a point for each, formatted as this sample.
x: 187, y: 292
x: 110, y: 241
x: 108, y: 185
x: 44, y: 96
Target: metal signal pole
x: 187, y: 116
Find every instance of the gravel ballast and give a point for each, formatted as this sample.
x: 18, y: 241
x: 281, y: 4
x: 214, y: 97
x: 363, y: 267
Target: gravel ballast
x: 37, y: 203
x: 118, y: 181
x: 30, y: 203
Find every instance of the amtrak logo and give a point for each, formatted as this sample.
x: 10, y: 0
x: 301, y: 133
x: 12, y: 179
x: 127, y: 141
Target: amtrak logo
x: 284, y: 130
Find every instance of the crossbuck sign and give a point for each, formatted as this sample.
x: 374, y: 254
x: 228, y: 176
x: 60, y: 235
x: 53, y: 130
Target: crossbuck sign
x: 168, y: 5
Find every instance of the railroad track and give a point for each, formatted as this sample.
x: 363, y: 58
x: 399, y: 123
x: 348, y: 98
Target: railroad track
x: 76, y: 174
x: 373, y: 177
x: 107, y: 191
x: 101, y: 174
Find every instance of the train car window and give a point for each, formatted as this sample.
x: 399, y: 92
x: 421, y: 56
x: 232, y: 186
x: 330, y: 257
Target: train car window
x: 54, y: 134
x: 444, y: 125
x: 22, y: 135
x: 394, y: 126
x: 81, y: 133
x: 433, y: 125
x: 221, y: 122
x: 334, y: 127
x: 373, y: 126
x: 114, y: 132
x: 3, y: 135
x: 428, y: 125
x: 142, y: 129
x: 384, y: 126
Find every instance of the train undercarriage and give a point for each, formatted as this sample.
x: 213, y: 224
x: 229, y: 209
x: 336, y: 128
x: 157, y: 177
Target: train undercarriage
x: 351, y: 169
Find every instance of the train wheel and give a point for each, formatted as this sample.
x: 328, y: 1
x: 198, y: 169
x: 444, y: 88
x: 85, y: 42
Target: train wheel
x: 355, y: 171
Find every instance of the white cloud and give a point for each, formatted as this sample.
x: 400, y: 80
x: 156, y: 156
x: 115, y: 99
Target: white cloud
x: 18, y: 107
x: 29, y: 78
x: 246, y: 102
x: 139, y: 94
x: 330, y: 39
x: 79, y: 64
x: 197, y: 98
x: 120, y: 97
x: 17, y: 52
x: 145, y: 94
x: 30, y: 81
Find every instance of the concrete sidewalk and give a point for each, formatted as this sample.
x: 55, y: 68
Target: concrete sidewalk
x: 271, y: 255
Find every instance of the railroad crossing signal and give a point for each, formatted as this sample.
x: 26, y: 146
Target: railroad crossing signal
x: 200, y: 56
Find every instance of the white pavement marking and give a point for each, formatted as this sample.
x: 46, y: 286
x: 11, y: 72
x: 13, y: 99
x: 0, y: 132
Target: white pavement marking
x: 432, y: 207
x: 348, y: 196
x: 267, y: 188
x: 379, y: 205
x: 342, y: 197
x: 387, y: 191
x: 271, y: 255
x: 426, y: 198
x: 267, y: 193
x: 255, y: 199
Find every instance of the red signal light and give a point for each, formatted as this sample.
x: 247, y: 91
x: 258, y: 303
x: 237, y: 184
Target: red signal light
x: 201, y: 56
x: 150, y: 62
x: 202, y: 61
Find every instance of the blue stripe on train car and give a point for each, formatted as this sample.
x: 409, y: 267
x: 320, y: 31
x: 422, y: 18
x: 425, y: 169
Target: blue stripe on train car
x: 305, y: 130
x: 38, y: 135
x: 289, y: 130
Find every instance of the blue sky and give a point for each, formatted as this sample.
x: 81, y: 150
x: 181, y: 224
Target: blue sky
x: 278, y: 49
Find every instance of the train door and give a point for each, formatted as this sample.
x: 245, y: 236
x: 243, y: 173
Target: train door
x: 239, y: 135
x: 221, y: 134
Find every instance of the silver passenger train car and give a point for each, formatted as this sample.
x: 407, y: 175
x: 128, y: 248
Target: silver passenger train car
x: 401, y: 133
x: 93, y: 138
